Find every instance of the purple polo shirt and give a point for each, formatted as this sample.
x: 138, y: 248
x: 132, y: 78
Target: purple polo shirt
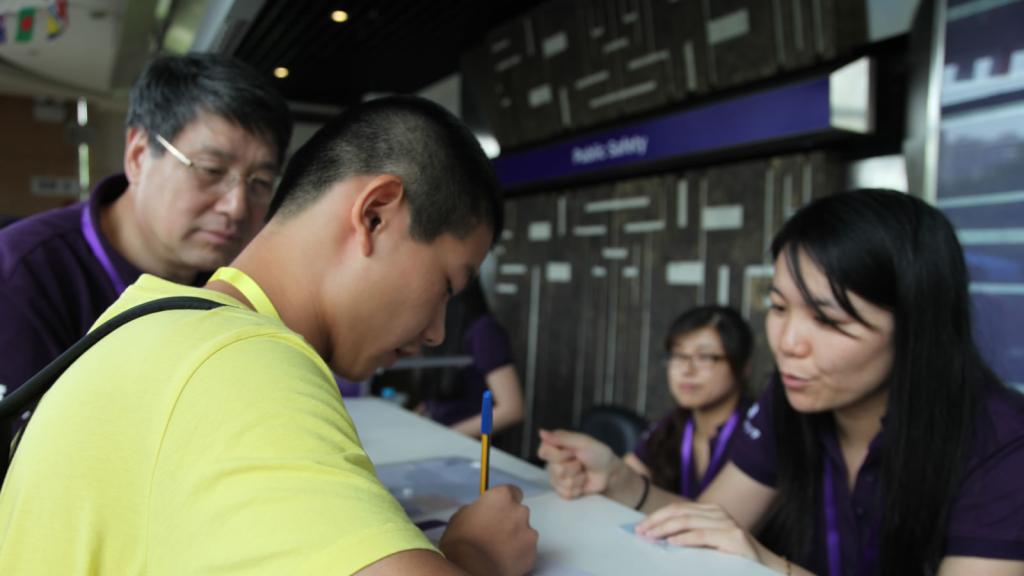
x: 643, y: 453
x: 987, y: 515
x: 52, y: 287
x: 487, y: 343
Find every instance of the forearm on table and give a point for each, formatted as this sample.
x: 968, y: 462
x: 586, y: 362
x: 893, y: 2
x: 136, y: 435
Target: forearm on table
x: 469, y: 558
x: 508, y: 397
x: 778, y: 563
x: 502, y: 418
x: 470, y: 426
x: 626, y: 486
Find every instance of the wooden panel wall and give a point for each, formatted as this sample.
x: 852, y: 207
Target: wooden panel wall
x: 570, y: 65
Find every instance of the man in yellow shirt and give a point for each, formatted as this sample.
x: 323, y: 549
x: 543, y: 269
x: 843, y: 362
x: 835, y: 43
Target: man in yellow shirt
x: 200, y: 442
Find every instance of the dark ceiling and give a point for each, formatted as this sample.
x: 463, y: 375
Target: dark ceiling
x: 385, y: 46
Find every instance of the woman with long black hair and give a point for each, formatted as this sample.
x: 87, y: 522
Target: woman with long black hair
x: 885, y: 444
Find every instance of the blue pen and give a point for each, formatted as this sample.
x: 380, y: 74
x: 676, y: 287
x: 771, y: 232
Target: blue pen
x: 486, y: 414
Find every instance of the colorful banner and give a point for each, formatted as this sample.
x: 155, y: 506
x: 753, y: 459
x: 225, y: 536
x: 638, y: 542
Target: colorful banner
x: 26, y: 24
x: 54, y: 24
x: 24, y: 20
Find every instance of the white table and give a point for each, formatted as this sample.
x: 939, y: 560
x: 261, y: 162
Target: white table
x: 585, y: 534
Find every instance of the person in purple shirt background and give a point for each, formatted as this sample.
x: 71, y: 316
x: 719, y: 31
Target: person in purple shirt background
x: 707, y: 367
x: 707, y: 363
x: 454, y: 395
x: 885, y: 444
x: 205, y: 138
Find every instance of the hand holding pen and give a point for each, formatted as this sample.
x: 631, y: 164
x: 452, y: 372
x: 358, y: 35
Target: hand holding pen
x: 509, y: 546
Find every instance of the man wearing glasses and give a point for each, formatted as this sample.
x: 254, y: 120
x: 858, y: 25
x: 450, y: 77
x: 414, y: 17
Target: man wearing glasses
x: 205, y: 139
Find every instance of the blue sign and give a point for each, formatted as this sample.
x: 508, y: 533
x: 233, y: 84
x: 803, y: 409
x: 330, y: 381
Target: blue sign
x: 793, y: 110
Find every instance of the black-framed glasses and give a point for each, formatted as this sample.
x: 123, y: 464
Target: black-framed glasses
x: 700, y: 361
x: 215, y: 177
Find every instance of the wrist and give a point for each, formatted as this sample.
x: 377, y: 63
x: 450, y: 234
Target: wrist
x: 643, y: 494
x: 467, y: 556
x: 773, y: 561
x: 624, y: 484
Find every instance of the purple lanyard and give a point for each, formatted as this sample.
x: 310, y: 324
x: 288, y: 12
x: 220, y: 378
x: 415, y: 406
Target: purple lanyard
x: 686, y: 454
x: 831, y: 524
x: 93, y: 239
x: 835, y: 551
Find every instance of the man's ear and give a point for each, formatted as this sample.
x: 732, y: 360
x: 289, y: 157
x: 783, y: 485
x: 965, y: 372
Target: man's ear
x: 136, y: 146
x: 376, y: 209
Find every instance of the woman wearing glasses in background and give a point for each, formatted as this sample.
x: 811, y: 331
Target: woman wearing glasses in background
x: 707, y: 362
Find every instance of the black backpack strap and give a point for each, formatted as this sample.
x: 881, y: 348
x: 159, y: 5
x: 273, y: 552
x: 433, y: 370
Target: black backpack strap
x: 23, y: 397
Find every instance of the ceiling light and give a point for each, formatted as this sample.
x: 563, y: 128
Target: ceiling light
x: 339, y: 16
x: 281, y: 72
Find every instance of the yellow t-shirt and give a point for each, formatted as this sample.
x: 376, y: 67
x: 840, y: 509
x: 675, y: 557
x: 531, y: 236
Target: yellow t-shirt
x: 196, y: 442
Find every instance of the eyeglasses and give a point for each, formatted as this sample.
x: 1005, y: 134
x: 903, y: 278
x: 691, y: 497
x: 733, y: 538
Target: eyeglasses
x: 699, y: 361
x: 259, y: 188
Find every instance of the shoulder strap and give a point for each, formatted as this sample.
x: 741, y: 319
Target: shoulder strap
x: 41, y: 382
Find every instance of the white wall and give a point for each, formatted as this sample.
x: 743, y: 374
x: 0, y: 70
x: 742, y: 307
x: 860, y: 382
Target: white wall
x: 888, y: 18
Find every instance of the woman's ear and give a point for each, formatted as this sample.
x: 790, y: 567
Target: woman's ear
x: 376, y: 209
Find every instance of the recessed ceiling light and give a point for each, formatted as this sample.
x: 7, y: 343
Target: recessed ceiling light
x: 281, y: 72
x: 339, y: 16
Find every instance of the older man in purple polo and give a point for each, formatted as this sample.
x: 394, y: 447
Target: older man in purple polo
x: 205, y: 139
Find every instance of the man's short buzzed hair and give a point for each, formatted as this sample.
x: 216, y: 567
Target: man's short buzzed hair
x: 173, y: 90
x: 448, y: 180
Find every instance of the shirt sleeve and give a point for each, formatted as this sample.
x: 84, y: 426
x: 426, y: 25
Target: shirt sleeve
x: 261, y: 472
x: 27, y: 337
x: 489, y: 346
x: 753, y: 450
x: 46, y: 304
x: 987, y: 516
x: 640, y: 450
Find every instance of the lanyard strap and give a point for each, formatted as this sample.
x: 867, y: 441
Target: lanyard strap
x: 869, y: 551
x: 686, y: 455
x: 93, y: 240
x: 248, y: 287
x: 831, y: 523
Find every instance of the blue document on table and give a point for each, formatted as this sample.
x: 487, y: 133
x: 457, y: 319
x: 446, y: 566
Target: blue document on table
x: 436, y: 484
